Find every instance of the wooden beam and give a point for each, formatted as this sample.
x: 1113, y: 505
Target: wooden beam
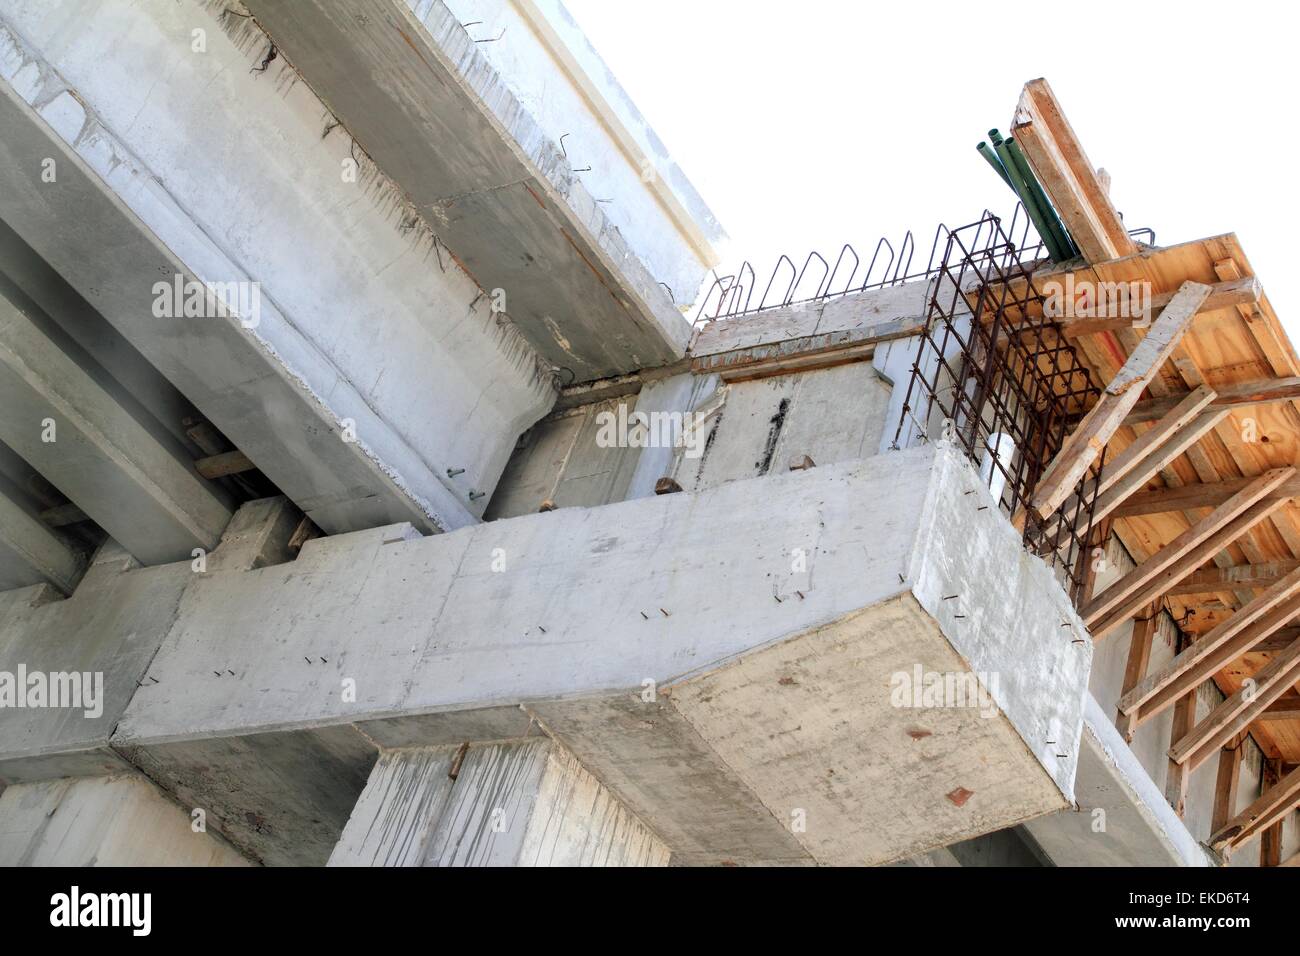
x: 1176, y: 780
x: 62, y: 515
x: 1139, y: 657
x: 1239, y: 711
x: 1259, y: 392
x: 226, y: 463
x: 1284, y: 708
x: 1270, y: 842
x: 1251, y: 638
x: 1223, y: 295
x: 1067, y: 176
x: 1213, y: 650
x: 1185, y: 497
x: 1184, y: 554
x: 1239, y: 576
x: 1227, y: 784
x: 1155, y: 461
x: 1121, y: 395
x: 1144, y: 458
x: 1143, y: 448
x: 1273, y: 805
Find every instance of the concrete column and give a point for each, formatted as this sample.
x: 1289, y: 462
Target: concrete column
x: 520, y: 803
x: 120, y: 820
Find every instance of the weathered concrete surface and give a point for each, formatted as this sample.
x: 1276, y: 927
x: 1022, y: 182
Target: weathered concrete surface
x: 112, y: 624
x: 281, y: 798
x: 877, y: 315
x: 524, y: 803
x: 440, y: 120
x: 89, y: 438
x: 743, y: 429
x: 355, y: 431
x: 562, y: 81
x: 691, y: 588
x: 1122, y: 817
x: 30, y: 551
x: 103, y: 821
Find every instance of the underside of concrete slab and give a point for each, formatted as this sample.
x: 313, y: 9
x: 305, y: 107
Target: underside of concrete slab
x: 440, y: 120
x: 298, y: 365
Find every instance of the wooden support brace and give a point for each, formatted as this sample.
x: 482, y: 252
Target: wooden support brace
x: 1223, y: 295
x: 1259, y: 392
x: 1184, y: 554
x: 1176, y: 781
x: 1067, y: 176
x: 1213, y: 651
x: 1239, y: 711
x: 1273, y: 805
x: 1139, y: 657
x: 1117, y: 401
x: 1227, y: 784
x: 1270, y: 842
x: 226, y: 463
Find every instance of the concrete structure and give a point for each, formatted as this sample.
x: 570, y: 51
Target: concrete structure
x: 366, y: 497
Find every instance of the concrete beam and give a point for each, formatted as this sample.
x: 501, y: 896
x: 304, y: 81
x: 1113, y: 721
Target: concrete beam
x: 494, y: 184
x: 356, y: 432
x: 69, y: 420
x: 737, y: 688
x: 30, y: 551
x: 698, y: 602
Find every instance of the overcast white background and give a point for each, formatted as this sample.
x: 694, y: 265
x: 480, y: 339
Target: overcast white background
x: 805, y: 125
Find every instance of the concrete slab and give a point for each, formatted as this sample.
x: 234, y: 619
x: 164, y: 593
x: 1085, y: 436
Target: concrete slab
x: 1122, y: 817
x: 495, y: 186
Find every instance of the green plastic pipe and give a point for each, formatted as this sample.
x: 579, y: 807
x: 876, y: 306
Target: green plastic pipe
x: 993, y: 161
x: 1044, y: 204
x: 1042, y: 224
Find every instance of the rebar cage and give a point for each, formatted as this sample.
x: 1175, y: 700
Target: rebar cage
x: 995, y: 377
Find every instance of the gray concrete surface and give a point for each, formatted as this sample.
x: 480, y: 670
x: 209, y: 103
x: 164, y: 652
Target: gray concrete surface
x: 355, y: 431
x: 120, y: 820
x: 440, y: 120
x: 521, y: 803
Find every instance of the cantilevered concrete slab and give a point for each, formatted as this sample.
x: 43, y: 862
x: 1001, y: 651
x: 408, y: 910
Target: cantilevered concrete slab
x: 372, y: 382
x: 497, y: 187
x: 93, y: 441
x: 862, y: 575
x: 1122, y: 818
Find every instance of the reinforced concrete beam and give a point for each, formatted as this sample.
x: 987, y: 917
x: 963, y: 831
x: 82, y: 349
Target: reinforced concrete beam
x: 70, y: 421
x: 728, y: 669
x: 307, y: 382
x: 496, y: 187
x: 30, y: 551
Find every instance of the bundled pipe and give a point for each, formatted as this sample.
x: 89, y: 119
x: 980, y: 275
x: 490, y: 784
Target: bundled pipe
x: 1010, y: 164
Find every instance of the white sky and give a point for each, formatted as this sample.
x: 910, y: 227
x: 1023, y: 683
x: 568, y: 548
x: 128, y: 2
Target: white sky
x: 806, y: 125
